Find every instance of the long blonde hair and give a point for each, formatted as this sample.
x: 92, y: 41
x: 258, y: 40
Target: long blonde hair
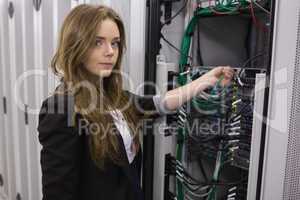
x: 77, y: 37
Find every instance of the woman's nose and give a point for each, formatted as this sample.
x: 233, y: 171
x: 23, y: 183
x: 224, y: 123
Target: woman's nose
x: 109, y: 51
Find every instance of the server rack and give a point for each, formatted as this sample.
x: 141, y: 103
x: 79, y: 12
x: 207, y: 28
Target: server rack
x: 261, y: 182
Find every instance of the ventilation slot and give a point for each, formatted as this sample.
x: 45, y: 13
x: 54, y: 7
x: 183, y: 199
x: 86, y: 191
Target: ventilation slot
x: 292, y: 170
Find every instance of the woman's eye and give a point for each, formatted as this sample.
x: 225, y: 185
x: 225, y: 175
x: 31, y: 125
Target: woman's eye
x: 99, y: 43
x: 115, y: 44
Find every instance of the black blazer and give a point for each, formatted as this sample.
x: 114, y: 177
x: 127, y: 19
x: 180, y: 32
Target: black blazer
x: 68, y: 172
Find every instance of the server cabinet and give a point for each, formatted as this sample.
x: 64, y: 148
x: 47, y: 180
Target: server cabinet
x: 47, y: 19
x: 3, y: 148
x: 16, y: 99
x: 11, y: 159
x: 215, y: 37
x: 28, y: 38
x: 281, y: 166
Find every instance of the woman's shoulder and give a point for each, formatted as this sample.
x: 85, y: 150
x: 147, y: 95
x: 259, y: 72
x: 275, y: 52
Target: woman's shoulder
x: 56, y: 110
x: 57, y: 103
x: 59, y: 100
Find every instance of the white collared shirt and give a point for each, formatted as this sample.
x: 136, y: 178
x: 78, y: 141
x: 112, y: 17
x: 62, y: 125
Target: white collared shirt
x: 124, y: 130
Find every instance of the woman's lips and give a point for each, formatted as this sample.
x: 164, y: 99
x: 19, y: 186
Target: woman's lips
x: 106, y: 65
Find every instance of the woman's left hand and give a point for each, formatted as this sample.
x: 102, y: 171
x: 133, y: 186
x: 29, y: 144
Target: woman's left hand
x: 214, y: 75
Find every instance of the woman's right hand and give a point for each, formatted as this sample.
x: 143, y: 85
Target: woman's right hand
x: 225, y: 73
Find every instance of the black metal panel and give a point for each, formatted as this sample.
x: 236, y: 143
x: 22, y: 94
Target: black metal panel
x: 266, y: 104
x: 152, y: 50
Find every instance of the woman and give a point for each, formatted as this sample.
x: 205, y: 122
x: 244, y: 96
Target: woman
x: 89, y: 127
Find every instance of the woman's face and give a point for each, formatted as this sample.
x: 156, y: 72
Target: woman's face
x: 103, y: 56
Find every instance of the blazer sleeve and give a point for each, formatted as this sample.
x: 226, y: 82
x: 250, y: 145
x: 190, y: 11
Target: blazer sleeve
x: 60, y: 154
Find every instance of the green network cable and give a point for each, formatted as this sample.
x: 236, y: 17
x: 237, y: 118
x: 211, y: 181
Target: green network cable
x: 219, y: 161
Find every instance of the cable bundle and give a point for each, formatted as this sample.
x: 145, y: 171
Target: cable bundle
x: 196, y: 189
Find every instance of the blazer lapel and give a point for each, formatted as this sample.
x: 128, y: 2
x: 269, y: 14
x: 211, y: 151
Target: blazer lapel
x: 125, y: 167
x: 130, y: 174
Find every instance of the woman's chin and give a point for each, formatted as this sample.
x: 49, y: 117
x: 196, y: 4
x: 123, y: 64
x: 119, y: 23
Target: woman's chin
x: 104, y: 73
